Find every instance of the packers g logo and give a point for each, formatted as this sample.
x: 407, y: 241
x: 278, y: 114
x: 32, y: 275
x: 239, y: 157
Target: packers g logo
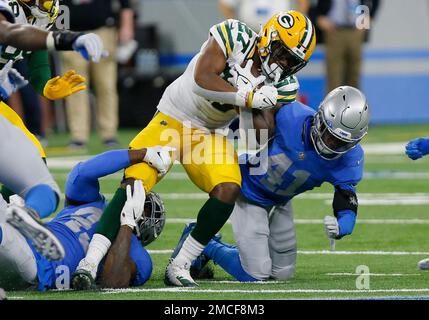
x: 286, y: 21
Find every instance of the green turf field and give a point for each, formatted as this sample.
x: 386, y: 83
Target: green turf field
x: 391, y: 235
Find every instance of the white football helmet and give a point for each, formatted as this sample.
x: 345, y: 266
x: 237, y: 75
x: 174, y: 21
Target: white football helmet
x: 152, y: 222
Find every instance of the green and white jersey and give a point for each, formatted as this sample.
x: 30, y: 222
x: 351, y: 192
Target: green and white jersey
x: 8, y: 53
x: 238, y: 43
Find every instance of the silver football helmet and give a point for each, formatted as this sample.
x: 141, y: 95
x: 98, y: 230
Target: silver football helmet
x: 152, y: 222
x: 341, y: 122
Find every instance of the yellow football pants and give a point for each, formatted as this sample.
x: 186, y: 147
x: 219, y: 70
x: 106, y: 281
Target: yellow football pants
x: 208, y: 158
x: 15, y: 119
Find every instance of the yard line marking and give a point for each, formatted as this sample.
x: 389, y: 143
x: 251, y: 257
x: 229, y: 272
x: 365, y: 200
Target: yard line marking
x: 407, y: 200
x: 328, y: 252
x: 373, y: 274
x: 194, y: 290
x: 320, y: 221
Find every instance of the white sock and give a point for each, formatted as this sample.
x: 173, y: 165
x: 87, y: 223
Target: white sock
x: 190, y: 250
x: 97, y: 249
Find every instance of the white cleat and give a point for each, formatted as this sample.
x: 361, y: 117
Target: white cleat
x: 424, y: 264
x: 178, y: 275
x: 27, y: 222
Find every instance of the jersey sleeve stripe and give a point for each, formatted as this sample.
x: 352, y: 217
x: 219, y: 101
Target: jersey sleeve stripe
x: 224, y: 38
x: 228, y: 30
x: 219, y: 31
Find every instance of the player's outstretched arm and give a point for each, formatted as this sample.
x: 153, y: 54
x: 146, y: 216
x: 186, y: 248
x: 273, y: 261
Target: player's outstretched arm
x: 119, y: 269
x: 30, y: 38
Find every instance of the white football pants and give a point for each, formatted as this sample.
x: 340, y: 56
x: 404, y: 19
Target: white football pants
x: 266, y: 241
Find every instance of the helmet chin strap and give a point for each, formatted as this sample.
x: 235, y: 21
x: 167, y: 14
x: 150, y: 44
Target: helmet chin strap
x: 273, y: 71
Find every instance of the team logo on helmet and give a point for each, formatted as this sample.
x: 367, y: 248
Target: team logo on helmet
x: 286, y: 20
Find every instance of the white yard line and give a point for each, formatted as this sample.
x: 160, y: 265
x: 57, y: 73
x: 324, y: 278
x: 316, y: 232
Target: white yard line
x: 373, y: 274
x: 327, y: 252
x: 268, y: 291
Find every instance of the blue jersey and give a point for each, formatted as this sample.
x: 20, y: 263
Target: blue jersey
x: 75, y: 224
x: 289, y: 165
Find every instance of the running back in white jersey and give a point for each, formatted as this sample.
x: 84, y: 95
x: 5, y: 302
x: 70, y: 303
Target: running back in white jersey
x: 238, y: 43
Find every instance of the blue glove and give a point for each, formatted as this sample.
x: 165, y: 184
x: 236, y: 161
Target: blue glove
x: 10, y: 81
x: 346, y: 221
x: 417, y: 148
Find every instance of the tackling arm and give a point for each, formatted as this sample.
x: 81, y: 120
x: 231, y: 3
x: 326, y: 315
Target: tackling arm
x: 119, y: 269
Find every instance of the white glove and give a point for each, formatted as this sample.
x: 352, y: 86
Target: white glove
x: 261, y: 99
x: 134, y: 206
x: 10, y: 81
x: 159, y: 158
x: 331, y: 227
x: 242, y: 78
x: 91, y: 47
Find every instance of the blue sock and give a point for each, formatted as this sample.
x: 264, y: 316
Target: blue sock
x: 42, y: 199
x: 228, y: 258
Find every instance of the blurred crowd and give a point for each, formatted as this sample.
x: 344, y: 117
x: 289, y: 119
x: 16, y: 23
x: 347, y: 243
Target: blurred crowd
x: 115, y: 21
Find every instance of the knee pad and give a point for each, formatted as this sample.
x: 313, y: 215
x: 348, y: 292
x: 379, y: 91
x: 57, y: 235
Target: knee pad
x: 260, y: 270
x: 284, y: 273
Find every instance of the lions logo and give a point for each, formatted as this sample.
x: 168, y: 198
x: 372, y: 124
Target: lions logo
x: 286, y: 20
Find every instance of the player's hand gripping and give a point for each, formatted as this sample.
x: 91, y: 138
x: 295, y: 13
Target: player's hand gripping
x: 90, y: 47
x: 10, y: 81
x: 332, y: 228
x: 159, y: 158
x: 134, y: 206
x: 64, y: 86
x: 417, y: 148
x: 242, y: 78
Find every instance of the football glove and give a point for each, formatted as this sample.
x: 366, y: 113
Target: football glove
x: 332, y: 228
x: 417, y: 148
x: 10, y: 81
x: 90, y: 47
x: 242, y: 78
x: 261, y: 99
x: 134, y: 206
x: 61, y: 87
x: 159, y: 158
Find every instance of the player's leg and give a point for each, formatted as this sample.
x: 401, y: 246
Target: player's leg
x: 108, y: 226
x: 217, y: 173
x: 282, y: 242
x: 18, y: 267
x: 25, y: 173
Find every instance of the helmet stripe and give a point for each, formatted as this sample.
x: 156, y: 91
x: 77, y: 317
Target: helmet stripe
x: 308, y: 35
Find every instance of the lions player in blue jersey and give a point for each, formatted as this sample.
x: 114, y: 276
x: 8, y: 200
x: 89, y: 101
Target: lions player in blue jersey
x: 306, y: 149
x: 127, y: 262
x: 416, y: 149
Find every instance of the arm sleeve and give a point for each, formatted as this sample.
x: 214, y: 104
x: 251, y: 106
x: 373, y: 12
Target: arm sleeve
x: 142, y: 260
x: 39, y: 70
x: 82, y: 183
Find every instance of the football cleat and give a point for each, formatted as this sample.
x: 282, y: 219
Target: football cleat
x: 200, y: 269
x: 28, y: 223
x: 84, y: 276
x: 178, y: 275
x: 424, y: 264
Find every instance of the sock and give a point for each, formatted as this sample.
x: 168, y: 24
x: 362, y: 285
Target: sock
x: 110, y: 221
x: 97, y: 249
x: 190, y: 250
x: 211, y: 218
x: 229, y: 259
x: 42, y: 199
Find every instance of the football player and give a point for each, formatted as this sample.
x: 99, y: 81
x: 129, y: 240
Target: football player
x: 202, y: 100
x: 127, y: 262
x: 416, y: 149
x: 23, y: 32
x: 308, y: 148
